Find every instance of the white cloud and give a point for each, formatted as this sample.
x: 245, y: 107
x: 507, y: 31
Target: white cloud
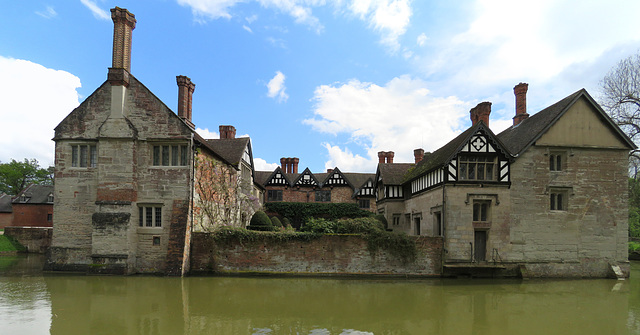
x: 98, y: 12
x: 206, y: 134
x: 400, y: 116
x: 251, y: 18
x: 389, y: 17
x: 422, y: 39
x: 48, y: 13
x: 245, y: 27
x: 33, y: 100
x: 260, y: 164
x: 276, y: 87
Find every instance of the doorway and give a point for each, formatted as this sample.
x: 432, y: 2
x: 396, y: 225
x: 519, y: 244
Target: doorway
x: 480, y: 245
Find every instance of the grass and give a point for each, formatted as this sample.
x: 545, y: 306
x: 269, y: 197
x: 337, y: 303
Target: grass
x: 9, y: 244
x: 634, y: 246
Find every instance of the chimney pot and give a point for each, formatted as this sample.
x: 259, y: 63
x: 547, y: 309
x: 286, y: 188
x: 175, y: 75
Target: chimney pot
x: 381, y: 157
x: 185, y: 97
x: 520, y: 92
x: 227, y: 131
x: 480, y: 112
x: 418, y: 154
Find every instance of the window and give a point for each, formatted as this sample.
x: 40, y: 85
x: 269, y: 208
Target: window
x: 396, y: 219
x: 323, y: 196
x: 150, y: 216
x: 49, y: 217
x: 364, y: 203
x: 477, y: 167
x: 556, y: 161
x: 170, y: 155
x: 558, y: 200
x: 83, y: 155
x: 50, y: 197
x: 156, y: 240
x: 481, y: 211
x: 274, y: 195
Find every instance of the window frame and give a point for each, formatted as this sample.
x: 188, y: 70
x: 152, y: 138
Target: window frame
x: 557, y: 161
x: 90, y: 153
x: 274, y: 195
x: 323, y: 196
x: 481, y: 211
x: 150, y: 216
x: 465, y: 161
x: 169, y: 155
x: 558, y: 200
x: 364, y: 203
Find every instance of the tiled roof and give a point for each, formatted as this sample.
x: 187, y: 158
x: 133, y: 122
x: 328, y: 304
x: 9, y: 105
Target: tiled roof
x: 34, y: 194
x: 393, y: 173
x: 231, y: 149
x: 5, y: 203
x: 355, y: 180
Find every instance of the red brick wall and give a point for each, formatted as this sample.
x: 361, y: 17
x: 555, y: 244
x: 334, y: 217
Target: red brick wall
x: 327, y: 255
x: 5, y: 219
x: 26, y: 215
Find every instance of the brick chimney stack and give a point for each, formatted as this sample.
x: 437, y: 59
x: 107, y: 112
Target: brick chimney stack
x: 123, y: 24
x: 295, y: 162
x: 520, y: 92
x: 283, y: 164
x: 418, y: 154
x: 289, y: 164
x: 185, y: 97
x: 329, y: 171
x: 227, y: 132
x: 385, y: 157
x: 480, y: 112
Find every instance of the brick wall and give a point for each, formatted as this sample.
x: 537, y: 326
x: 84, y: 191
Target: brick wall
x: 29, y: 215
x: 5, y: 219
x: 327, y: 255
x: 35, y: 239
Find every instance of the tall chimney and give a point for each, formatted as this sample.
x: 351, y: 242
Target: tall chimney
x: 227, y: 132
x: 390, y: 155
x: 381, y: 157
x: 283, y: 164
x: 329, y: 171
x: 520, y: 91
x: 123, y: 24
x: 295, y: 162
x: 480, y: 112
x: 185, y: 97
x: 418, y: 154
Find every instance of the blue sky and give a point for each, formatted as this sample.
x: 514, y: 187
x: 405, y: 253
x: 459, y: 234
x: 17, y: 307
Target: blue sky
x: 329, y: 82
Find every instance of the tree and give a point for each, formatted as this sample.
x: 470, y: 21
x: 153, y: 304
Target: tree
x: 15, y: 176
x: 621, y: 98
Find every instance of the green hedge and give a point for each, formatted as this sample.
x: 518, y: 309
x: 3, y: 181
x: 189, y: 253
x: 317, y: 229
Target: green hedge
x: 299, y: 212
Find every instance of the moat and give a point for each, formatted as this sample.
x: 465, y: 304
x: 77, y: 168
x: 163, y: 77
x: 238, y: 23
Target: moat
x: 33, y: 303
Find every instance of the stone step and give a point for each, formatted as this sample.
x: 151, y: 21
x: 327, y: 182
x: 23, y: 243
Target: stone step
x: 618, y: 272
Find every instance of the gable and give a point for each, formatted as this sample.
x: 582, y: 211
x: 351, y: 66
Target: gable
x: 582, y: 126
x: 277, y: 178
x: 306, y: 179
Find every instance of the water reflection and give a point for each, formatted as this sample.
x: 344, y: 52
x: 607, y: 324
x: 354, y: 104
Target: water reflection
x: 63, y: 304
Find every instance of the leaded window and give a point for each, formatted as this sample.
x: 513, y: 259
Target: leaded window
x: 475, y: 167
x: 274, y: 195
x: 84, y: 155
x: 323, y: 196
x: 150, y: 216
x: 170, y: 155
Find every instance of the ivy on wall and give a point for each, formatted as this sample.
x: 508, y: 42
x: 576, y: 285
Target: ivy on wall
x: 300, y: 212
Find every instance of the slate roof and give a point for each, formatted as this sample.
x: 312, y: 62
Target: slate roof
x: 519, y: 138
x: 355, y: 180
x: 34, y: 194
x: 261, y: 177
x: 393, y: 173
x: 5, y: 203
x: 231, y: 149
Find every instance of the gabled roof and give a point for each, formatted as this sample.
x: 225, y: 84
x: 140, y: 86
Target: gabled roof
x: 5, y: 203
x: 334, y: 171
x: 519, y: 138
x: 359, y: 179
x: 34, y: 194
x: 231, y: 149
x: 261, y: 177
x: 306, y: 172
x: 393, y: 173
x: 288, y: 177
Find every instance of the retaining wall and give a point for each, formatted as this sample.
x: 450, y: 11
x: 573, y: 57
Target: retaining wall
x: 35, y: 239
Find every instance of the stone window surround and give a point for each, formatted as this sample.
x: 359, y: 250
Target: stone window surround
x: 552, y: 192
x: 181, y: 161
x: 143, y: 209
x: 91, y: 158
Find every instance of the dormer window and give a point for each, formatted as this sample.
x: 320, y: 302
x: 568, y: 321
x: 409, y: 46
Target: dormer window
x: 50, y: 197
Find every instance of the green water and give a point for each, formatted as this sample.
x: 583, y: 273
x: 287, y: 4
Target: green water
x: 31, y: 303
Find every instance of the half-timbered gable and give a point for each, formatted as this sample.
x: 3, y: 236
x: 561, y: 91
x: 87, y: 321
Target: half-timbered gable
x: 306, y: 178
x: 278, y: 178
x: 336, y: 178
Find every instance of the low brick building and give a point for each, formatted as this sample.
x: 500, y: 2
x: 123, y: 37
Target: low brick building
x: 126, y: 174
x: 6, y: 211
x: 547, y: 196
x: 33, y: 207
x: 334, y: 186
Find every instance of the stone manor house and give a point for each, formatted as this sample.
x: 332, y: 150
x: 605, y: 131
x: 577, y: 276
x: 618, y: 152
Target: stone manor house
x: 133, y: 180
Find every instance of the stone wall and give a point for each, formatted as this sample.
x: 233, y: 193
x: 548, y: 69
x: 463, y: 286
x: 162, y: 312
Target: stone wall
x: 328, y: 255
x: 35, y: 239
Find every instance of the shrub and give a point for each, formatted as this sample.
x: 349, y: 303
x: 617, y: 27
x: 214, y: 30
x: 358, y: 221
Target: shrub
x: 276, y: 222
x: 260, y: 218
x: 300, y: 212
x: 383, y: 220
x: 286, y: 222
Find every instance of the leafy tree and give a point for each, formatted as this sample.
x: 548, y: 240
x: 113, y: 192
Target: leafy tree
x: 15, y: 176
x: 621, y: 98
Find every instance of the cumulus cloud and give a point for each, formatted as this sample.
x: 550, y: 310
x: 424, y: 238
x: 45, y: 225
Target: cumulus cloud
x: 276, y: 88
x: 48, y: 13
x: 98, y: 12
x: 400, y: 116
x: 33, y: 100
x: 260, y: 164
x: 422, y: 39
x: 207, y: 134
x: 389, y: 17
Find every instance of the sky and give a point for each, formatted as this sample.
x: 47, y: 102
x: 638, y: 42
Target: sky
x: 329, y: 82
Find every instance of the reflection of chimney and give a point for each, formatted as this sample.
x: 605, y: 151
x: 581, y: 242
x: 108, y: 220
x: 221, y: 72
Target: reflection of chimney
x: 227, y: 132
x: 123, y: 24
x: 520, y: 91
x: 418, y: 154
x: 295, y: 162
x: 480, y: 112
x: 185, y: 97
